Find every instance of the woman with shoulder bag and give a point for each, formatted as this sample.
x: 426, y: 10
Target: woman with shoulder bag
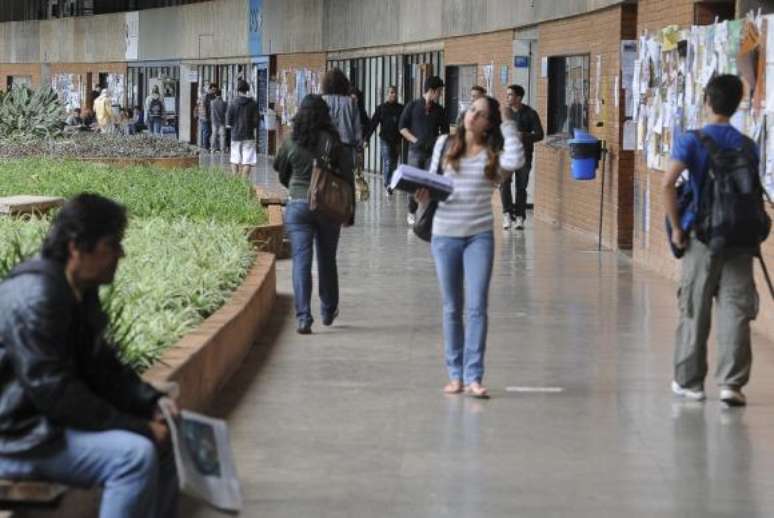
x: 314, y: 138
x: 462, y: 239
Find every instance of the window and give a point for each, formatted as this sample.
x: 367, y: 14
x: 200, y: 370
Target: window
x: 459, y: 81
x: 568, y: 94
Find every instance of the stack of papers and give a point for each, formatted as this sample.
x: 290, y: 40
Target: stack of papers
x: 409, y: 179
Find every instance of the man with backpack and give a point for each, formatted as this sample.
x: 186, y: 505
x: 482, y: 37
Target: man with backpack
x: 719, y: 233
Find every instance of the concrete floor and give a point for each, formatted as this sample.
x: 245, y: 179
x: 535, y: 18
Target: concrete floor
x: 351, y: 421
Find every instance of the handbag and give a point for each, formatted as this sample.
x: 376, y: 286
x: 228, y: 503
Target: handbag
x: 330, y: 194
x: 423, y: 225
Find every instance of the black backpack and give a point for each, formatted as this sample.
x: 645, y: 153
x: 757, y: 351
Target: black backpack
x: 731, y: 214
x: 155, y: 108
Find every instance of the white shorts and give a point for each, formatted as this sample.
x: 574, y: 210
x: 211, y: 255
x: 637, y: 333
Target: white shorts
x: 243, y: 152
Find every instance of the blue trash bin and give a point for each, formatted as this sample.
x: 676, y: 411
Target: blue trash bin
x: 585, y: 152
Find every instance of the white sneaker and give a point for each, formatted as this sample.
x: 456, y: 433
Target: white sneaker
x: 732, y: 397
x: 688, y: 393
x: 519, y: 223
x: 411, y: 219
x: 506, y: 221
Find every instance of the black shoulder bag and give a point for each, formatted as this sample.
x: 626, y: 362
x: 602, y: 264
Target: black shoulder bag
x: 423, y: 226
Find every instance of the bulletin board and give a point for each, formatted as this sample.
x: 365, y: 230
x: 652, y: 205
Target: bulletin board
x: 294, y: 85
x: 672, y: 68
x: 68, y: 89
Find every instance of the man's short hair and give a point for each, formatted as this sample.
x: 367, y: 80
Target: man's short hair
x: 518, y: 91
x: 77, y: 110
x: 213, y: 85
x: 243, y: 86
x: 479, y: 89
x: 723, y: 94
x: 392, y: 87
x: 84, y: 219
x: 433, y: 83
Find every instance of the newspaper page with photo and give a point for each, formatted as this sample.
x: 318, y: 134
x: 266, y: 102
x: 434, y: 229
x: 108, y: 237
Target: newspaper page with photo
x: 204, y: 460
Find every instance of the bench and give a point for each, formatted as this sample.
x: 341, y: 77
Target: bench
x: 29, y: 205
x: 18, y: 493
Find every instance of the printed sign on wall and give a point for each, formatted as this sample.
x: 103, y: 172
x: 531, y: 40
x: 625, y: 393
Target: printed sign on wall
x: 255, y: 27
x: 132, y: 28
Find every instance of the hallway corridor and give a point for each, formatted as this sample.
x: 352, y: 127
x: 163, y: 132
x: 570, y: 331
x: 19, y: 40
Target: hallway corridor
x: 351, y: 421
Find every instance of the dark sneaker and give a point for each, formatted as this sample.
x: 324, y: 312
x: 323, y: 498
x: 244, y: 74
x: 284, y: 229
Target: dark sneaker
x: 304, y: 328
x: 732, y: 396
x: 328, y: 320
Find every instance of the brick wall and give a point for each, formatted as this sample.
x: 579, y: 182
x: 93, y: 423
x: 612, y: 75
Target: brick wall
x: 558, y: 198
x: 315, y: 61
x: 651, y: 249
x: 7, y: 70
x: 485, y: 49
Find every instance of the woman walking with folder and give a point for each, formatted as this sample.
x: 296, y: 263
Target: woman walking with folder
x: 314, y: 135
x: 462, y: 239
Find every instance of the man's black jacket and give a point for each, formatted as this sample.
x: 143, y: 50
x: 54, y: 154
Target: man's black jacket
x: 388, y: 115
x: 528, y: 124
x: 56, y: 368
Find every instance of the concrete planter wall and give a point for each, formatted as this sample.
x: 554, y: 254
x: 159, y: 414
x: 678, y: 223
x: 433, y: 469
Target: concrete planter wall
x: 203, y: 360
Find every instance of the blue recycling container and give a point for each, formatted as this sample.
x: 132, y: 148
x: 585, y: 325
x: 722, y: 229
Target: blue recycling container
x: 585, y: 152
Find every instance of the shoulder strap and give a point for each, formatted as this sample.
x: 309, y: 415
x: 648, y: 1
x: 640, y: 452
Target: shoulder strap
x: 439, y: 170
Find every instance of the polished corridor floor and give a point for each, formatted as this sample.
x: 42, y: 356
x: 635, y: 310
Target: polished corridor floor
x: 351, y: 421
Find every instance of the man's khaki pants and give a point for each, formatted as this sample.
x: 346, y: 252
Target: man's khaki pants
x: 729, y: 280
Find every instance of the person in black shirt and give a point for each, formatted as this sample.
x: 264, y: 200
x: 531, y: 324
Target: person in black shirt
x: 388, y: 115
x: 531, y: 131
x: 421, y: 122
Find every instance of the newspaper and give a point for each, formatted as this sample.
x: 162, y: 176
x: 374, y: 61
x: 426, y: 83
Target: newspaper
x: 204, y: 460
x: 409, y: 179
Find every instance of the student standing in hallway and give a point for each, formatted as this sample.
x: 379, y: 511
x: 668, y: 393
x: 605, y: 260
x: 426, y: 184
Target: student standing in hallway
x: 531, y: 131
x: 726, y: 277
x: 242, y: 118
x: 477, y: 159
x: 343, y: 110
x: 388, y: 115
x: 314, y: 135
x: 421, y: 122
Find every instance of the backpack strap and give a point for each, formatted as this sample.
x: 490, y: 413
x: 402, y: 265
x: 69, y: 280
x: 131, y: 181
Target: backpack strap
x: 765, y: 273
x: 445, y: 146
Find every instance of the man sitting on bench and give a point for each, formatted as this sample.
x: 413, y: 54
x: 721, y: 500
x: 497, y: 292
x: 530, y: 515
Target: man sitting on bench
x: 70, y: 412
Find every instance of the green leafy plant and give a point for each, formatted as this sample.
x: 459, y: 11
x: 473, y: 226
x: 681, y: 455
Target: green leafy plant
x: 28, y: 113
x: 199, y: 194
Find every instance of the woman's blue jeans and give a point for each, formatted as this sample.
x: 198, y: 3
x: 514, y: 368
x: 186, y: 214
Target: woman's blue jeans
x: 464, y: 268
x: 304, y: 229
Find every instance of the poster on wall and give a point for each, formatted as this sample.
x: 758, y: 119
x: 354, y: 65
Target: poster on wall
x: 255, y: 27
x: 132, y: 35
x: 68, y: 89
x: 117, y: 89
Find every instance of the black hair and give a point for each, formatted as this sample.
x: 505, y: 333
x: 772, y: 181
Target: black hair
x: 213, y: 85
x: 518, y: 91
x: 478, y: 88
x: 84, y: 219
x: 335, y: 82
x: 392, y: 87
x: 433, y: 83
x: 78, y: 110
x: 312, y: 118
x: 243, y: 86
x: 724, y: 93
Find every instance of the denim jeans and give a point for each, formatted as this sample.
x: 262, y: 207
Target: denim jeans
x: 218, y: 138
x: 464, y: 268
x: 155, y: 125
x: 422, y: 161
x: 136, y: 482
x: 204, y: 134
x: 389, y: 160
x: 304, y: 228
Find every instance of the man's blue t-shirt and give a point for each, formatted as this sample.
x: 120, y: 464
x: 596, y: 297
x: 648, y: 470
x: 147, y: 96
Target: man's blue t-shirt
x: 690, y: 151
